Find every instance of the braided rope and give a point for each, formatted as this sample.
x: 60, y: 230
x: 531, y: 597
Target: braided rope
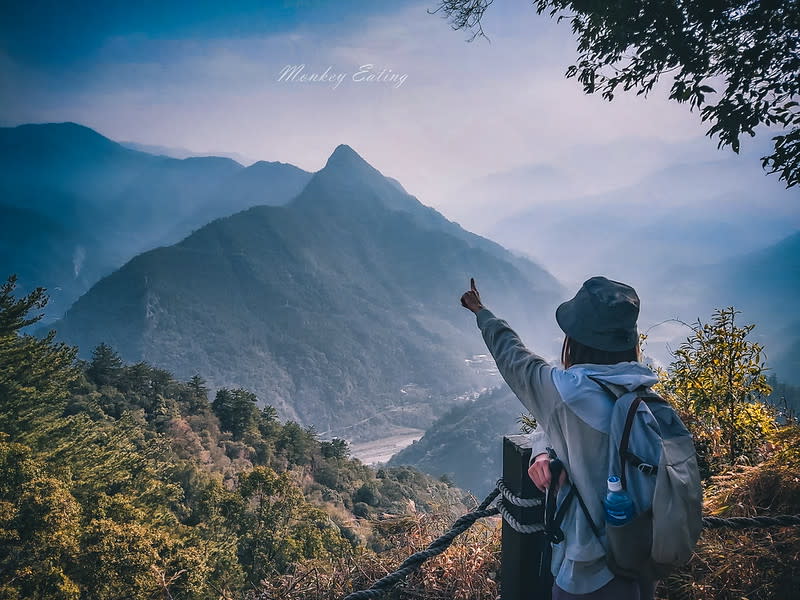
x: 751, y: 522
x: 516, y: 500
x: 438, y: 546
x: 516, y: 525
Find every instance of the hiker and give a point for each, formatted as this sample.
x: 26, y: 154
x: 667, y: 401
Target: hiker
x: 573, y: 408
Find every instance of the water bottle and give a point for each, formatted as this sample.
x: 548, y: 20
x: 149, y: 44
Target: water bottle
x: 618, y: 503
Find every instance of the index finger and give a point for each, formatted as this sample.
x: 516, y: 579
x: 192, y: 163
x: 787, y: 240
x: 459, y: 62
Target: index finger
x: 472, y: 284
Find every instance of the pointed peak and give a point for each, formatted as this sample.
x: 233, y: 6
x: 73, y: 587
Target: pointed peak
x: 344, y: 155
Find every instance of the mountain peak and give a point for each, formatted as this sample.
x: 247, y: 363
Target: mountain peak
x: 345, y: 156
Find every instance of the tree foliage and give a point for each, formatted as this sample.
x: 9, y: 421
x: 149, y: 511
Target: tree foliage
x: 117, y: 481
x: 717, y: 381
x: 737, y: 61
x: 34, y: 373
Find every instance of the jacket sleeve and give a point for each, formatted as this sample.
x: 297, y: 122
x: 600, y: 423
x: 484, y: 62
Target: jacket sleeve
x: 539, y: 444
x: 527, y: 374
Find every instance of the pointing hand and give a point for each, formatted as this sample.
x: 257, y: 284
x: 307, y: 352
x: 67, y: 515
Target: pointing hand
x: 471, y: 299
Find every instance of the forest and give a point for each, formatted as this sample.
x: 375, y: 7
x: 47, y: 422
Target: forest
x: 119, y: 481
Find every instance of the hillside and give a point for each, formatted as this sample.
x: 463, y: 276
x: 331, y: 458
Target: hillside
x: 340, y: 309
x: 764, y: 285
x: 75, y: 206
x: 119, y: 481
x: 466, y: 443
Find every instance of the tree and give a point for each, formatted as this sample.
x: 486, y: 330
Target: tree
x: 336, y: 448
x: 236, y: 410
x: 718, y: 382
x: 105, y: 368
x: 280, y: 527
x: 39, y: 527
x: 34, y: 373
x: 743, y: 53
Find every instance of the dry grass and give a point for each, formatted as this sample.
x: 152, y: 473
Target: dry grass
x: 760, y: 564
x: 468, y: 570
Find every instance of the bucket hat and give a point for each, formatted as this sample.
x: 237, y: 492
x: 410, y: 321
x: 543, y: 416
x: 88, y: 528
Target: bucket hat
x: 602, y: 315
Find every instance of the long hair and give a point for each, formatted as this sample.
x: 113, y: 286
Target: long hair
x: 575, y: 353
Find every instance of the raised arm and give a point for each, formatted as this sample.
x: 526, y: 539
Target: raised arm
x: 527, y: 374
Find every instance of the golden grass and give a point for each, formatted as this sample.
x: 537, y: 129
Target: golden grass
x: 760, y: 564
x: 468, y: 570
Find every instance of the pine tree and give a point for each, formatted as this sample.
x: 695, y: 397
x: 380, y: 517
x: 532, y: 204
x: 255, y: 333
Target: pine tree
x: 35, y: 374
x: 105, y: 368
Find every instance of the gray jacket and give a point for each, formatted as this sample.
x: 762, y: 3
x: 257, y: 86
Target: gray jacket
x: 573, y: 413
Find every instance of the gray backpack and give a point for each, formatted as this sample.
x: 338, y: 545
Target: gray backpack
x: 665, y: 486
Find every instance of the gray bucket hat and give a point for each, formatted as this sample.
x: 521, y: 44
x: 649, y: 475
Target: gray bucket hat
x: 602, y: 315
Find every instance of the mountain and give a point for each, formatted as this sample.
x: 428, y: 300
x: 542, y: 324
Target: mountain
x: 75, y: 205
x: 466, y: 443
x: 766, y: 287
x: 686, y: 213
x: 340, y: 308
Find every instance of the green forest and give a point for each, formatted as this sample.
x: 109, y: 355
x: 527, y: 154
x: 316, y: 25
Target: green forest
x: 118, y: 481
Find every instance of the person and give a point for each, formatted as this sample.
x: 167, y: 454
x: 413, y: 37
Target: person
x: 573, y: 412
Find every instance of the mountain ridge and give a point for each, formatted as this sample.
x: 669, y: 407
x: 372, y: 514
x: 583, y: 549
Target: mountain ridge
x: 341, y: 305
x: 104, y: 203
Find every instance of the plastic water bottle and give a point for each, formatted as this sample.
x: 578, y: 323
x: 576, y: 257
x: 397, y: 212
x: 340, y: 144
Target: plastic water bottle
x: 618, y: 503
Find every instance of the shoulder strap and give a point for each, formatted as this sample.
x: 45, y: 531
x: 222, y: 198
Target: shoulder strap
x: 625, y: 438
x: 552, y: 517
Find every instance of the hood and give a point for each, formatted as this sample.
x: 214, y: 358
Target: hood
x: 588, y: 400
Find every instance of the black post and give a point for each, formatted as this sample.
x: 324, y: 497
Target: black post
x: 521, y: 553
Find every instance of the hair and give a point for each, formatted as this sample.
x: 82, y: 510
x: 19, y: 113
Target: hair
x: 575, y: 353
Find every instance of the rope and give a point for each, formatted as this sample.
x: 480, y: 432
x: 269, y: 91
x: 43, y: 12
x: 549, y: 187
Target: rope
x: 516, y: 525
x: 438, y: 546
x: 516, y: 500
x: 750, y: 522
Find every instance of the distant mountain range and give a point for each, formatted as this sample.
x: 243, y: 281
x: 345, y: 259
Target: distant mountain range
x: 334, y: 295
x: 690, y: 236
x: 75, y: 206
x: 340, y: 308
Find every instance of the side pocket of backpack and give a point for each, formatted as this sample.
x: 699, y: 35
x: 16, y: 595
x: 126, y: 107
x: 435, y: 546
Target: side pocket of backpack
x: 677, y: 503
x: 629, y: 545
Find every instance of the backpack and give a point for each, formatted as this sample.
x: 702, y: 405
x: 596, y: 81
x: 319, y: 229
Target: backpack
x: 664, y: 485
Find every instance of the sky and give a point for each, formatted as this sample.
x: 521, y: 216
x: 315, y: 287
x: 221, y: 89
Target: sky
x: 206, y: 76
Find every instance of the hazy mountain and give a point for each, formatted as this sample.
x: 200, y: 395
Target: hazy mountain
x: 466, y: 443
x: 174, y: 152
x: 339, y: 308
x: 690, y: 213
x: 765, y: 286
x: 636, y: 214
x: 75, y: 205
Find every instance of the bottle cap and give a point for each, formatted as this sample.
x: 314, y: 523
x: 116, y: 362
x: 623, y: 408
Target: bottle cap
x: 614, y: 484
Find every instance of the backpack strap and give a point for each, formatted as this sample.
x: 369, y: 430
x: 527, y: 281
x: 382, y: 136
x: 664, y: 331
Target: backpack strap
x: 552, y: 517
x: 625, y: 455
x: 626, y: 436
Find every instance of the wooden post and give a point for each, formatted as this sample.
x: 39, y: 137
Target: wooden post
x: 521, y: 553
